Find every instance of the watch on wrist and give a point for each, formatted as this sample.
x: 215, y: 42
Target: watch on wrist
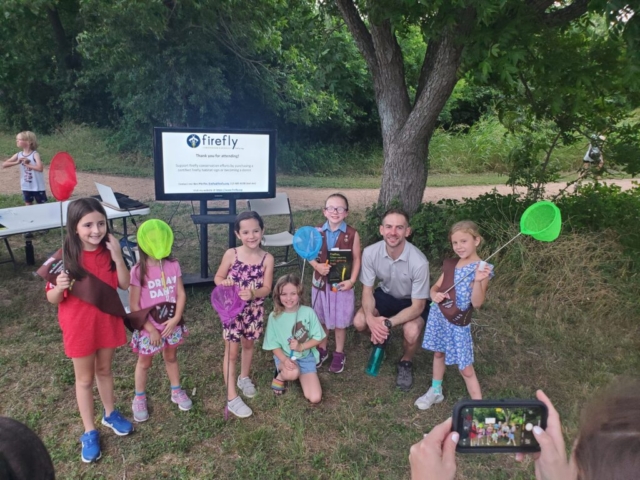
x: 387, y: 323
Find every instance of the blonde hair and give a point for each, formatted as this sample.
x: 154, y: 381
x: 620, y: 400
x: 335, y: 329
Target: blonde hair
x: 466, y: 226
x: 31, y: 138
x: 292, y: 279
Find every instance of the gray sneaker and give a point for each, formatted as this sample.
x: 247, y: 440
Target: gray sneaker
x: 428, y: 399
x: 180, y: 398
x: 404, y: 380
x: 248, y: 388
x: 139, y: 407
x: 239, y: 408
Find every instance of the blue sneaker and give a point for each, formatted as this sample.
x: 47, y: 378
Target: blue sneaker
x: 90, y: 446
x: 117, y: 423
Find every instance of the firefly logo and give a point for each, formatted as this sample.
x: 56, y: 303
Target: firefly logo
x: 193, y: 141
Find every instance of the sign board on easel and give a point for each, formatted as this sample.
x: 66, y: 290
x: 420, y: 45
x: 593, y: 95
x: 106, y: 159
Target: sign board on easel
x: 213, y: 164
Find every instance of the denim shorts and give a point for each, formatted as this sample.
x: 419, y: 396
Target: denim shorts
x: 306, y: 364
x: 388, y: 305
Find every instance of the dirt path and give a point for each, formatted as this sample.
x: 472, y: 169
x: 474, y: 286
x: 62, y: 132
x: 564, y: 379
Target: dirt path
x: 301, y: 198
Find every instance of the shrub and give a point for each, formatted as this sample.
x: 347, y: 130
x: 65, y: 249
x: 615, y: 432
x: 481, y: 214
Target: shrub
x: 593, y: 208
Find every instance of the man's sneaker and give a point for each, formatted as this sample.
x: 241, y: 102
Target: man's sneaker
x: 324, y: 354
x: 239, y: 408
x: 404, y: 380
x: 117, y: 423
x: 246, y: 385
x: 428, y: 399
x: 337, y: 362
x: 139, y: 407
x: 180, y: 397
x: 90, y: 446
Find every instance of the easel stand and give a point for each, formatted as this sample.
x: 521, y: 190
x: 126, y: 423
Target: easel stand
x: 204, y: 219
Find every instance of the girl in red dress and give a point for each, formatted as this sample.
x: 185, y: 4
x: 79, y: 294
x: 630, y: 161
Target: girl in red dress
x: 90, y: 335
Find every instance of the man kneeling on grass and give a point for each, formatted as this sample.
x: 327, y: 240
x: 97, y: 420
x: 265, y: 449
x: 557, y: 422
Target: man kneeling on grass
x: 401, y: 298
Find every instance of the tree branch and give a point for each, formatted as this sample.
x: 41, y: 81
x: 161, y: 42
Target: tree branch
x: 560, y: 16
x: 63, y: 45
x: 359, y: 31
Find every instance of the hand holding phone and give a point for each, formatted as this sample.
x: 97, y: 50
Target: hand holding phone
x: 499, y: 426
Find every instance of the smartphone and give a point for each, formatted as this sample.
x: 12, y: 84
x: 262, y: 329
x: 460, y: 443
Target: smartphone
x: 498, y: 426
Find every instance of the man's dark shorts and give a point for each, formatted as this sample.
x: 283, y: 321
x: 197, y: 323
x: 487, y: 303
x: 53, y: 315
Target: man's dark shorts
x: 388, y: 305
x: 39, y: 197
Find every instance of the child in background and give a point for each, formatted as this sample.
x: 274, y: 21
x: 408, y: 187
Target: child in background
x: 90, y: 335
x: 334, y: 307
x: 452, y: 343
x: 31, y: 168
x: 293, y: 333
x: 251, y: 268
x: 153, y: 282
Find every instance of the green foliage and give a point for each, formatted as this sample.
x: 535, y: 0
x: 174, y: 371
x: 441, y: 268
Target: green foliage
x: 323, y: 159
x: 135, y: 65
x: 592, y: 208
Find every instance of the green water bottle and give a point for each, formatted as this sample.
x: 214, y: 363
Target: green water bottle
x: 375, y: 359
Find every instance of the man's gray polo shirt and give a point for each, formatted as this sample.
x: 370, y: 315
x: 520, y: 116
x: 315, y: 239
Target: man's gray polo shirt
x: 405, y: 277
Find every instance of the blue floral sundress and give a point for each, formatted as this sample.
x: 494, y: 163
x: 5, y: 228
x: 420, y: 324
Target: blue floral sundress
x: 443, y: 336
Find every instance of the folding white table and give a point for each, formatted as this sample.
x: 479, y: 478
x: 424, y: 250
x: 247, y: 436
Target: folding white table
x: 46, y: 216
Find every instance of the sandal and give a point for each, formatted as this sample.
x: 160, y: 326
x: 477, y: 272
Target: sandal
x: 277, y: 385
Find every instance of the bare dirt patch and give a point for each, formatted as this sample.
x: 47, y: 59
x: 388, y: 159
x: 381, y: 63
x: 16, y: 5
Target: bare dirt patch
x: 301, y: 198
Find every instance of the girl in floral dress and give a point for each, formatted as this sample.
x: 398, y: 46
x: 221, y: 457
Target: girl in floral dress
x: 250, y: 268
x: 450, y: 337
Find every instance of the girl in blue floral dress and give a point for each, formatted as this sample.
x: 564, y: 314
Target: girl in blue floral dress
x: 251, y: 269
x: 448, y: 331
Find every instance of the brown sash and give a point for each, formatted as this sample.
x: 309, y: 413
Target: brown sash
x: 344, y: 241
x: 448, y: 307
x: 94, y: 291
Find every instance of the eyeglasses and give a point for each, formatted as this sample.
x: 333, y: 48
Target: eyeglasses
x: 335, y: 209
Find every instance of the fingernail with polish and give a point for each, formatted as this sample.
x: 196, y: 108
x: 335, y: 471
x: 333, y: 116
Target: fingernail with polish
x: 455, y: 437
x: 537, y: 430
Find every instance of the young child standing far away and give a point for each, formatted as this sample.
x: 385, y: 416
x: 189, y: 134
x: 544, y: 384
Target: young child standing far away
x: 154, y: 282
x: 334, y: 302
x: 31, y: 168
x: 251, y: 268
x: 448, y: 331
x: 94, y: 263
x: 293, y: 333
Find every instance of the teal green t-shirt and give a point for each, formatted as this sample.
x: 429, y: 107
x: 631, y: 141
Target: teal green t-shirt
x: 281, y: 328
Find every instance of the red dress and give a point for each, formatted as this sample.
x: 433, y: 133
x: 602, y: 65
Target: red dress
x: 86, y: 329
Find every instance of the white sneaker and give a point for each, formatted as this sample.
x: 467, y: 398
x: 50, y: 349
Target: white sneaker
x: 246, y: 385
x: 239, y: 408
x: 428, y: 399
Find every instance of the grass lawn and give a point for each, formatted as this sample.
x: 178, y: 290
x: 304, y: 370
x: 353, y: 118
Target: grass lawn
x: 551, y: 321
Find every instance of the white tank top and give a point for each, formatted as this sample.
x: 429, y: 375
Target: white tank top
x: 30, y: 180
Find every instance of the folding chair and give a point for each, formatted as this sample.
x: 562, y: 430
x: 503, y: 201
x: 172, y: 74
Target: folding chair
x: 277, y: 206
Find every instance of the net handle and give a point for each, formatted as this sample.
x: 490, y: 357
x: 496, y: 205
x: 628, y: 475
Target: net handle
x: 473, y: 271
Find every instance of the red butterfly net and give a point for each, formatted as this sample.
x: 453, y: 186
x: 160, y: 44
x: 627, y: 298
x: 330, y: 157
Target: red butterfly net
x: 62, y: 176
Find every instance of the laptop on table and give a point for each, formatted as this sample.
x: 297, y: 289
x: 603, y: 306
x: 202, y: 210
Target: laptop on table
x: 117, y: 201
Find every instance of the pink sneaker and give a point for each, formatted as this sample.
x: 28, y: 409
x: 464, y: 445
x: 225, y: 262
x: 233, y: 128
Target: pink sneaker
x: 180, y: 397
x: 139, y: 407
x: 337, y: 363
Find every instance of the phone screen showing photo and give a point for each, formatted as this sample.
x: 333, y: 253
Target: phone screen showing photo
x: 503, y: 427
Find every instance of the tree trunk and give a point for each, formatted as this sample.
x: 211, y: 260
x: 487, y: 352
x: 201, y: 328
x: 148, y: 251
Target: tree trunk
x: 406, y: 128
x: 404, y: 174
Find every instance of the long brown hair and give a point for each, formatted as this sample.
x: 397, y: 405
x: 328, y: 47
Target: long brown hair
x: 72, y: 243
x: 608, y: 445
x: 294, y: 280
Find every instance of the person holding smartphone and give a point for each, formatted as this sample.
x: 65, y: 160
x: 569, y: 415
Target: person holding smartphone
x: 607, y: 446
